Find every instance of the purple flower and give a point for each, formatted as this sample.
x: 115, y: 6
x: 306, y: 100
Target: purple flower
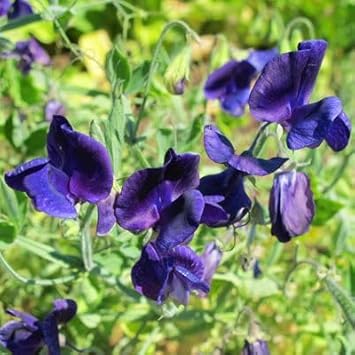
x: 164, y: 199
x: 53, y: 108
x: 230, y: 84
x: 281, y: 94
x: 28, y: 53
x: 175, y: 273
x: 257, y: 347
x: 106, y: 214
x: 225, y: 199
x: 29, y: 335
x: 291, y: 205
x: 4, y: 7
x: 70, y: 174
x: 19, y: 8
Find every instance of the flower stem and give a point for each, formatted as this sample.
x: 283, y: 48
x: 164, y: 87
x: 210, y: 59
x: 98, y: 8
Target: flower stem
x: 256, y: 145
x: 85, y: 239
x: 39, y: 282
x: 155, y: 60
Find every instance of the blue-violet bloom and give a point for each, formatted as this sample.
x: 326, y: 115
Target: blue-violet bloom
x: 53, y: 108
x: 230, y: 84
x: 281, y: 94
x: 19, y: 8
x: 4, y: 7
x: 164, y: 199
x: 78, y: 169
x: 257, y: 347
x: 226, y: 201
x: 291, y: 205
x: 29, y: 335
x: 160, y: 274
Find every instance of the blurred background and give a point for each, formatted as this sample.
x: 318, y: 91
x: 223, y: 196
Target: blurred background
x: 299, y: 318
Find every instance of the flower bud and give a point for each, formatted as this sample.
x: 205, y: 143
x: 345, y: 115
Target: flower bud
x: 53, y: 107
x: 257, y: 347
x: 291, y: 205
x: 177, y: 74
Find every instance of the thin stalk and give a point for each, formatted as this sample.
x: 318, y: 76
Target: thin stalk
x: 85, y: 239
x: 39, y: 282
x: 300, y: 21
x: 155, y: 59
x: 258, y: 136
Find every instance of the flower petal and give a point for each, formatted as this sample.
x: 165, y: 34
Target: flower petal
x: 234, y: 102
x: 310, y: 123
x: 259, y: 58
x: 291, y: 205
x: 4, y: 7
x: 229, y: 184
x: 255, y: 166
x: 218, y: 147
x: 213, y: 212
x: 20, y: 8
x: 147, y: 192
x: 338, y: 133
x: 52, y: 108
x: 106, y: 214
x: 64, y: 310
x: 82, y: 158
x: 45, y: 185
x: 150, y: 274
x: 27, y: 319
x: 217, y: 81
x: 179, y: 221
x: 286, y: 82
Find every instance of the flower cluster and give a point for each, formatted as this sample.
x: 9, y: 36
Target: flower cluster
x: 171, y: 200
x: 28, y: 335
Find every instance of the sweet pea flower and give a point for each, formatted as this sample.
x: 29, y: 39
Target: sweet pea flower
x: 230, y: 84
x: 163, y: 198
x: 281, y: 94
x: 29, y: 335
x: 4, y: 7
x: 77, y: 169
x: 257, y: 347
x: 175, y: 273
x: 291, y: 205
x: 53, y: 108
x: 29, y: 52
x: 18, y: 9
x: 225, y: 199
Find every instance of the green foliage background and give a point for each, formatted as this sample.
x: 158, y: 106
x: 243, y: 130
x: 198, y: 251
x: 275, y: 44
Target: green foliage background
x: 300, y: 317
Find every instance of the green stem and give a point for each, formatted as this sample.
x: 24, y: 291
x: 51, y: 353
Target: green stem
x: 85, y: 239
x: 20, y: 22
x: 340, y: 171
x: 39, y: 282
x: 300, y: 21
x: 153, y: 64
x: 257, y: 138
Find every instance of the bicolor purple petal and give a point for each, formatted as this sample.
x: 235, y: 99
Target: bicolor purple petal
x: 286, y: 82
x: 149, y: 191
x: 311, y: 124
x: 179, y: 221
x: 19, y: 8
x: 218, y: 147
x: 83, y: 159
x: 235, y: 203
x: 258, y: 58
x: 291, y: 205
x: 106, y: 218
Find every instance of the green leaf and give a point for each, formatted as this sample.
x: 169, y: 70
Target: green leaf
x: 15, y: 131
x: 325, y: 210
x: 96, y: 132
x: 36, y: 141
x: 20, y: 22
x: 138, y: 79
x: 7, y: 234
x: 9, y: 204
x: 118, y: 71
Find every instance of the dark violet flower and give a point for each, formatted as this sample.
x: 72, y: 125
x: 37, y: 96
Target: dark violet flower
x: 231, y: 83
x: 257, y: 347
x: 19, y: 8
x: 78, y: 169
x: 53, y: 108
x: 257, y: 272
x: 4, y: 7
x: 291, y: 205
x: 225, y: 199
x: 281, y: 94
x: 106, y: 214
x: 175, y: 273
x: 164, y: 199
x: 29, y: 335
x: 29, y: 52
